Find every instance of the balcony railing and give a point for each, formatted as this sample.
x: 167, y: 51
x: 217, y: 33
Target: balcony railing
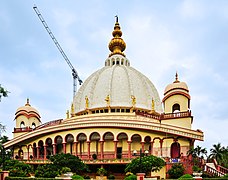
x: 164, y: 116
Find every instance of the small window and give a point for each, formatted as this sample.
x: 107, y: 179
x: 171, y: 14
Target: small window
x: 97, y: 111
x: 101, y: 111
x: 113, y: 62
x: 117, y: 62
x: 33, y: 125
x: 22, y: 125
x: 127, y: 110
x: 112, y: 110
x: 122, y: 110
x: 106, y: 110
x: 176, y: 108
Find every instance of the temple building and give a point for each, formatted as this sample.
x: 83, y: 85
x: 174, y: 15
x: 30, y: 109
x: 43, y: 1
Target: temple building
x: 116, y: 111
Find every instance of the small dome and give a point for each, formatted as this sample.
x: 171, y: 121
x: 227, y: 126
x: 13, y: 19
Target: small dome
x: 176, y: 85
x: 27, y: 110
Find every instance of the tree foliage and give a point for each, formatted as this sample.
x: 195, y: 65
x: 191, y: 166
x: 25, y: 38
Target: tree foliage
x: 176, y: 171
x: 68, y: 160
x: 17, y: 168
x: 47, y: 171
x: 3, y: 92
x: 148, y: 164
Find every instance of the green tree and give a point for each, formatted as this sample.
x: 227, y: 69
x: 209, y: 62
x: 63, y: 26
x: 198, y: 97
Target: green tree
x: 17, y: 168
x: 5, y: 154
x: 148, y: 164
x: 68, y: 160
x: 176, y: 171
x: 47, y: 171
x: 3, y: 92
x: 197, y: 154
x: 217, y: 152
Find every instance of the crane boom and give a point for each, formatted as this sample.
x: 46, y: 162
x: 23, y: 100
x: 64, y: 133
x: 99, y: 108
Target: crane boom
x: 74, y: 72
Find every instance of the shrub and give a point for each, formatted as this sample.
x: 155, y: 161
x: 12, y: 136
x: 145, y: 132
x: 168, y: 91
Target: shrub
x: 186, y: 176
x: 65, y: 170
x: 176, y: 171
x: 86, y: 177
x: 131, y: 177
x: 111, y: 176
x: 101, y: 171
x: 77, y: 177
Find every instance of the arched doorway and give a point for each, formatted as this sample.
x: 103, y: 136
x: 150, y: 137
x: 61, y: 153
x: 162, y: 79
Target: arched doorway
x: 59, y: 144
x: 41, y: 149
x: 69, y: 143
x: 94, y: 143
x: 175, y: 150
x: 49, y: 148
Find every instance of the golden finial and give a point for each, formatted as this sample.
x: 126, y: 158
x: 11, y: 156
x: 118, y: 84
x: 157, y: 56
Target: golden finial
x: 152, y: 108
x: 72, y: 109
x: 107, y: 99
x: 86, y: 102
x: 67, y: 114
x: 117, y: 44
x: 133, y: 100
x: 27, y: 102
x: 176, y: 78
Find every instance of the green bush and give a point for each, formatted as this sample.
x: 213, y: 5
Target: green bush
x: 86, y: 177
x: 186, y: 176
x: 176, y: 171
x: 47, y: 171
x: 74, y: 177
x: 111, y: 176
x: 131, y: 177
x: 101, y: 171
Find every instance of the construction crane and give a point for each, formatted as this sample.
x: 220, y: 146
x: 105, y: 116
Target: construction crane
x: 74, y: 72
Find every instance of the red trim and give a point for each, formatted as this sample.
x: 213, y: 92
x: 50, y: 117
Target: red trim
x: 175, y: 93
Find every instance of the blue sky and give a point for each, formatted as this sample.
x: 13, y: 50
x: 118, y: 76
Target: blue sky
x: 162, y: 37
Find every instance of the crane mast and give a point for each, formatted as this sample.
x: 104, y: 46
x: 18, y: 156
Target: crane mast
x: 74, y: 72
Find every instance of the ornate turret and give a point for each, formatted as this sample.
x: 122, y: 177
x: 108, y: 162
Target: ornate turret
x: 176, y: 96
x: 117, y: 44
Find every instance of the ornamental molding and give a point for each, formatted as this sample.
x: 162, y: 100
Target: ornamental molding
x: 110, y: 121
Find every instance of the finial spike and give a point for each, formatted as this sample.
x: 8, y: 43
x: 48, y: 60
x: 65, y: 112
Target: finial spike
x: 176, y: 78
x: 27, y: 102
x: 116, y: 16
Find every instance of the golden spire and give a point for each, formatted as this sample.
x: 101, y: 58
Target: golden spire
x: 133, y: 100
x: 27, y: 103
x: 72, y: 109
x: 117, y: 44
x: 152, y: 107
x: 86, y: 102
x: 107, y: 99
x: 176, y: 78
x: 67, y: 114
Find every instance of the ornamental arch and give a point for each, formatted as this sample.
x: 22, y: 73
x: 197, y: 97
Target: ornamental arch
x: 49, y: 147
x: 40, y: 152
x: 81, y: 147
x: 58, y: 144
x: 69, y: 139
x: 94, y: 142
x: 136, y: 140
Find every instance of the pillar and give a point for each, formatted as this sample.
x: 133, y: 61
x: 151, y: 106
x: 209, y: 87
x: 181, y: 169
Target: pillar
x: 28, y: 153
x: 88, y: 147
x: 54, y: 148
x: 129, y: 149
x: 161, y: 142
x: 38, y: 152
x: 45, y: 152
x: 64, y: 148
x: 76, y: 148
x: 102, y: 149
x: 143, y: 146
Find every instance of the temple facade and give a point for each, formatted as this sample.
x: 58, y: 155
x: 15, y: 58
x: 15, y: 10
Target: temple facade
x: 116, y: 111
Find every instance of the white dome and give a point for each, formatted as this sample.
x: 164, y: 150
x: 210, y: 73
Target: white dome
x: 120, y: 81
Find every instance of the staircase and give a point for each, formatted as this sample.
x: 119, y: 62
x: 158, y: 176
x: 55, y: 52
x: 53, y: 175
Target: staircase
x: 215, y: 169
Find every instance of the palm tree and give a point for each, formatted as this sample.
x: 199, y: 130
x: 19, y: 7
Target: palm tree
x: 217, y: 152
x: 197, y: 154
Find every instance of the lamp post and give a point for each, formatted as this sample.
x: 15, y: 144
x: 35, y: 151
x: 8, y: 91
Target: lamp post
x: 141, y: 154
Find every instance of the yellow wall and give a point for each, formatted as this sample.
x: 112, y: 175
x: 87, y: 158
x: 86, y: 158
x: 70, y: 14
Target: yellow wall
x: 179, y: 99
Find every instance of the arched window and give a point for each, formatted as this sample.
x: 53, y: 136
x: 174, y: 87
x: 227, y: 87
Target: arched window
x: 22, y: 125
x: 33, y: 125
x: 176, y: 108
x: 175, y: 150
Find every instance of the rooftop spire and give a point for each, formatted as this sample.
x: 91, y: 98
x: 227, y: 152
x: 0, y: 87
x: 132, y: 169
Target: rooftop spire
x: 117, y: 44
x: 176, y: 78
x: 27, y: 102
